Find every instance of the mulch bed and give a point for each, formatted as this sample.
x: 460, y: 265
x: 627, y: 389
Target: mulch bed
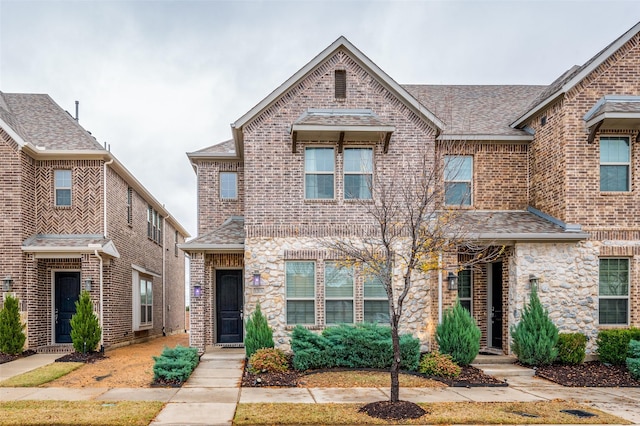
x: 88, y: 358
x: 588, y: 374
x: 469, y: 377
x: 8, y: 358
x: 401, y: 410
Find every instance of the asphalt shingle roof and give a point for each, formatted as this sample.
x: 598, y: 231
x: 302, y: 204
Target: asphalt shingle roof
x: 508, y: 222
x: 226, y: 147
x: 231, y: 232
x: 41, y: 122
x: 61, y: 240
x: 340, y: 118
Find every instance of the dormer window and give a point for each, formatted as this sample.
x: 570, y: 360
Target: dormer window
x: 341, y: 84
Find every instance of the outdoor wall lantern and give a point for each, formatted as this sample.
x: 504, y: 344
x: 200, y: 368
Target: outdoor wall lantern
x: 452, y: 279
x: 197, y: 290
x: 256, y: 278
x: 7, y: 283
x: 87, y: 284
x: 533, y: 280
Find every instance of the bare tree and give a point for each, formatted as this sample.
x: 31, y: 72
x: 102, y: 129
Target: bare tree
x: 411, y: 227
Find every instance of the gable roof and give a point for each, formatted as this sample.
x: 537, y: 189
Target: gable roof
x: 363, y: 61
x: 227, y: 237
x: 575, y: 75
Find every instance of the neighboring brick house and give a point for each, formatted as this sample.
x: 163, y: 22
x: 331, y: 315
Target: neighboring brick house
x: 72, y: 218
x: 552, y: 173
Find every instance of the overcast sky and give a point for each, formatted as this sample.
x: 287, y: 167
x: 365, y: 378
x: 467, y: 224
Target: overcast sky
x: 156, y: 79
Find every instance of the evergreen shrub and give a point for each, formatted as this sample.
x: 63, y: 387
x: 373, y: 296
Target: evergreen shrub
x: 175, y: 364
x: 268, y: 360
x: 438, y: 364
x: 572, y: 348
x: 633, y: 361
x: 535, y: 338
x: 352, y: 346
x: 258, y: 335
x: 12, y: 335
x: 613, y: 344
x: 458, y: 335
x: 85, y: 326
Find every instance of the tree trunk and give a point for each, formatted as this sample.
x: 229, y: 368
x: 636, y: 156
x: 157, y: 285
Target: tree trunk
x: 395, y: 365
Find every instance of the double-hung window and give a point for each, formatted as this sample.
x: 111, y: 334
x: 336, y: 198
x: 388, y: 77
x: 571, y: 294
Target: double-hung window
x: 465, y: 289
x: 376, y: 304
x: 358, y: 173
x: 300, y: 289
x: 62, y: 187
x: 146, y: 302
x: 338, y: 291
x: 228, y: 185
x: 319, y: 167
x: 615, y: 161
x: 614, y: 292
x: 458, y: 177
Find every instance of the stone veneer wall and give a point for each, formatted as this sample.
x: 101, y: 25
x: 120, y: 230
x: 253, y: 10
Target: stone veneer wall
x: 568, y: 286
x: 268, y: 255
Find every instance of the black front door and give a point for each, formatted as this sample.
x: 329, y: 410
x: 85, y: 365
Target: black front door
x: 496, y: 305
x: 229, y: 306
x: 67, y: 291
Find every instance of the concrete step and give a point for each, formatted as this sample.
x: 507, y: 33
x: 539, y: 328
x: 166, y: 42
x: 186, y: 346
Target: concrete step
x: 504, y: 370
x: 495, y: 359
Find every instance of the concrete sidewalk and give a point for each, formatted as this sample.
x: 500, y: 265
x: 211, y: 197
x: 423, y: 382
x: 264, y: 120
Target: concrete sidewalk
x: 210, y: 396
x: 23, y: 365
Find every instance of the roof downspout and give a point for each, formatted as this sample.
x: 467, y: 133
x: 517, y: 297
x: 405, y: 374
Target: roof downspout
x: 104, y: 201
x: 164, y: 275
x: 440, y: 288
x: 95, y: 252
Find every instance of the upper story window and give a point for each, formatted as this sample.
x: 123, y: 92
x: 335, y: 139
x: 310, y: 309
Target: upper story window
x: 319, y: 166
x: 228, y: 185
x: 458, y: 178
x: 175, y: 243
x: 154, y: 225
x: 615, y: 162
x: 465, y: 289
x: 338, y: 290
x: 300, y: 283
x: 358, y: 173
x: 62, y: 187
x: 129, y: 205
x: 613, y: 291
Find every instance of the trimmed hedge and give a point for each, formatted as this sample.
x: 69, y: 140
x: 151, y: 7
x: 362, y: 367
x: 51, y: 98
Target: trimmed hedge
x: 175, y: 364
x: 571, y: 348
x: 440, y: 365
x: 613, y: 344
x: 633, y: 362
x: 359, y: 346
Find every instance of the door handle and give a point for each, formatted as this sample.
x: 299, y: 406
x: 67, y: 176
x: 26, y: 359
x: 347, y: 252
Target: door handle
x: 56, y: 316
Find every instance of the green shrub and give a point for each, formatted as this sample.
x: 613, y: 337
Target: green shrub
x: 11, y: 328
x: 85, y: 326
x: 613, y: 344
x: 268, y: 360
x: 259, y: 335
x: 175, y: 364
x: 458, y: 335
x: 571, y: 348
x: 633, y: 362
x: 440, y: 365
x: 535, y: 338
x: 359, y: 346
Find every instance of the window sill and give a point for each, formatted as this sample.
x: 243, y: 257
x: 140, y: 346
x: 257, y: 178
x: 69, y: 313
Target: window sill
x: 62, y: 207
x: 143, y: 327
x: 321, y: 201
x: 614, y: 193
x: 612, y: 326
x: 308, y: 327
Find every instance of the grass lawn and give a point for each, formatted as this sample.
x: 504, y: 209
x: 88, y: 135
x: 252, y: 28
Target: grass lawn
x: 78, y: 413
x: 42, y: 375
x: 437, y: 413
x: 364, y: 379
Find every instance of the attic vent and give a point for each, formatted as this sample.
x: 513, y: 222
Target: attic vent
x: 543, y: 120
x: 341, y: 84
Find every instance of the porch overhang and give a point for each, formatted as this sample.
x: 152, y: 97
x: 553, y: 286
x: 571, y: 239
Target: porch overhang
x: 227, y: 238
x: 613, y: 112
x: 212, y: 248
x: 340, y: 126
x: 47, y: 246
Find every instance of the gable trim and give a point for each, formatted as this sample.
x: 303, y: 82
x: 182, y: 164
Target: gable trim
x: 15, y: 136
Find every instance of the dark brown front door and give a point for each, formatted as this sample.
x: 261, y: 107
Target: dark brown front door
x: 496, y: 305
x: 67, y: 291
x: 229, y: 306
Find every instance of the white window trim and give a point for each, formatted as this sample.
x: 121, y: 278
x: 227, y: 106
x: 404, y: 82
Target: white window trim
x: 366, y: 299
x: 457, y: 180
x: 345, y: 173
x: 352, y: 299
x: 628, y: 163
x: 617, y: 297
x: 135, y: 284
x: 56, y: 187
x: 334, y: 173
x: 315, y: 292
x: 222, y: 197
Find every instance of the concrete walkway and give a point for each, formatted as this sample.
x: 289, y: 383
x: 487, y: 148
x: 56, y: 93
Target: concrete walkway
x: 210, y: 396
x: 23, y: 365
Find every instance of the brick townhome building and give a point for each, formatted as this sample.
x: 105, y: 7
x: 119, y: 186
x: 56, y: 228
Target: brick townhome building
x: 72, y: 218
x: 550, y: 172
